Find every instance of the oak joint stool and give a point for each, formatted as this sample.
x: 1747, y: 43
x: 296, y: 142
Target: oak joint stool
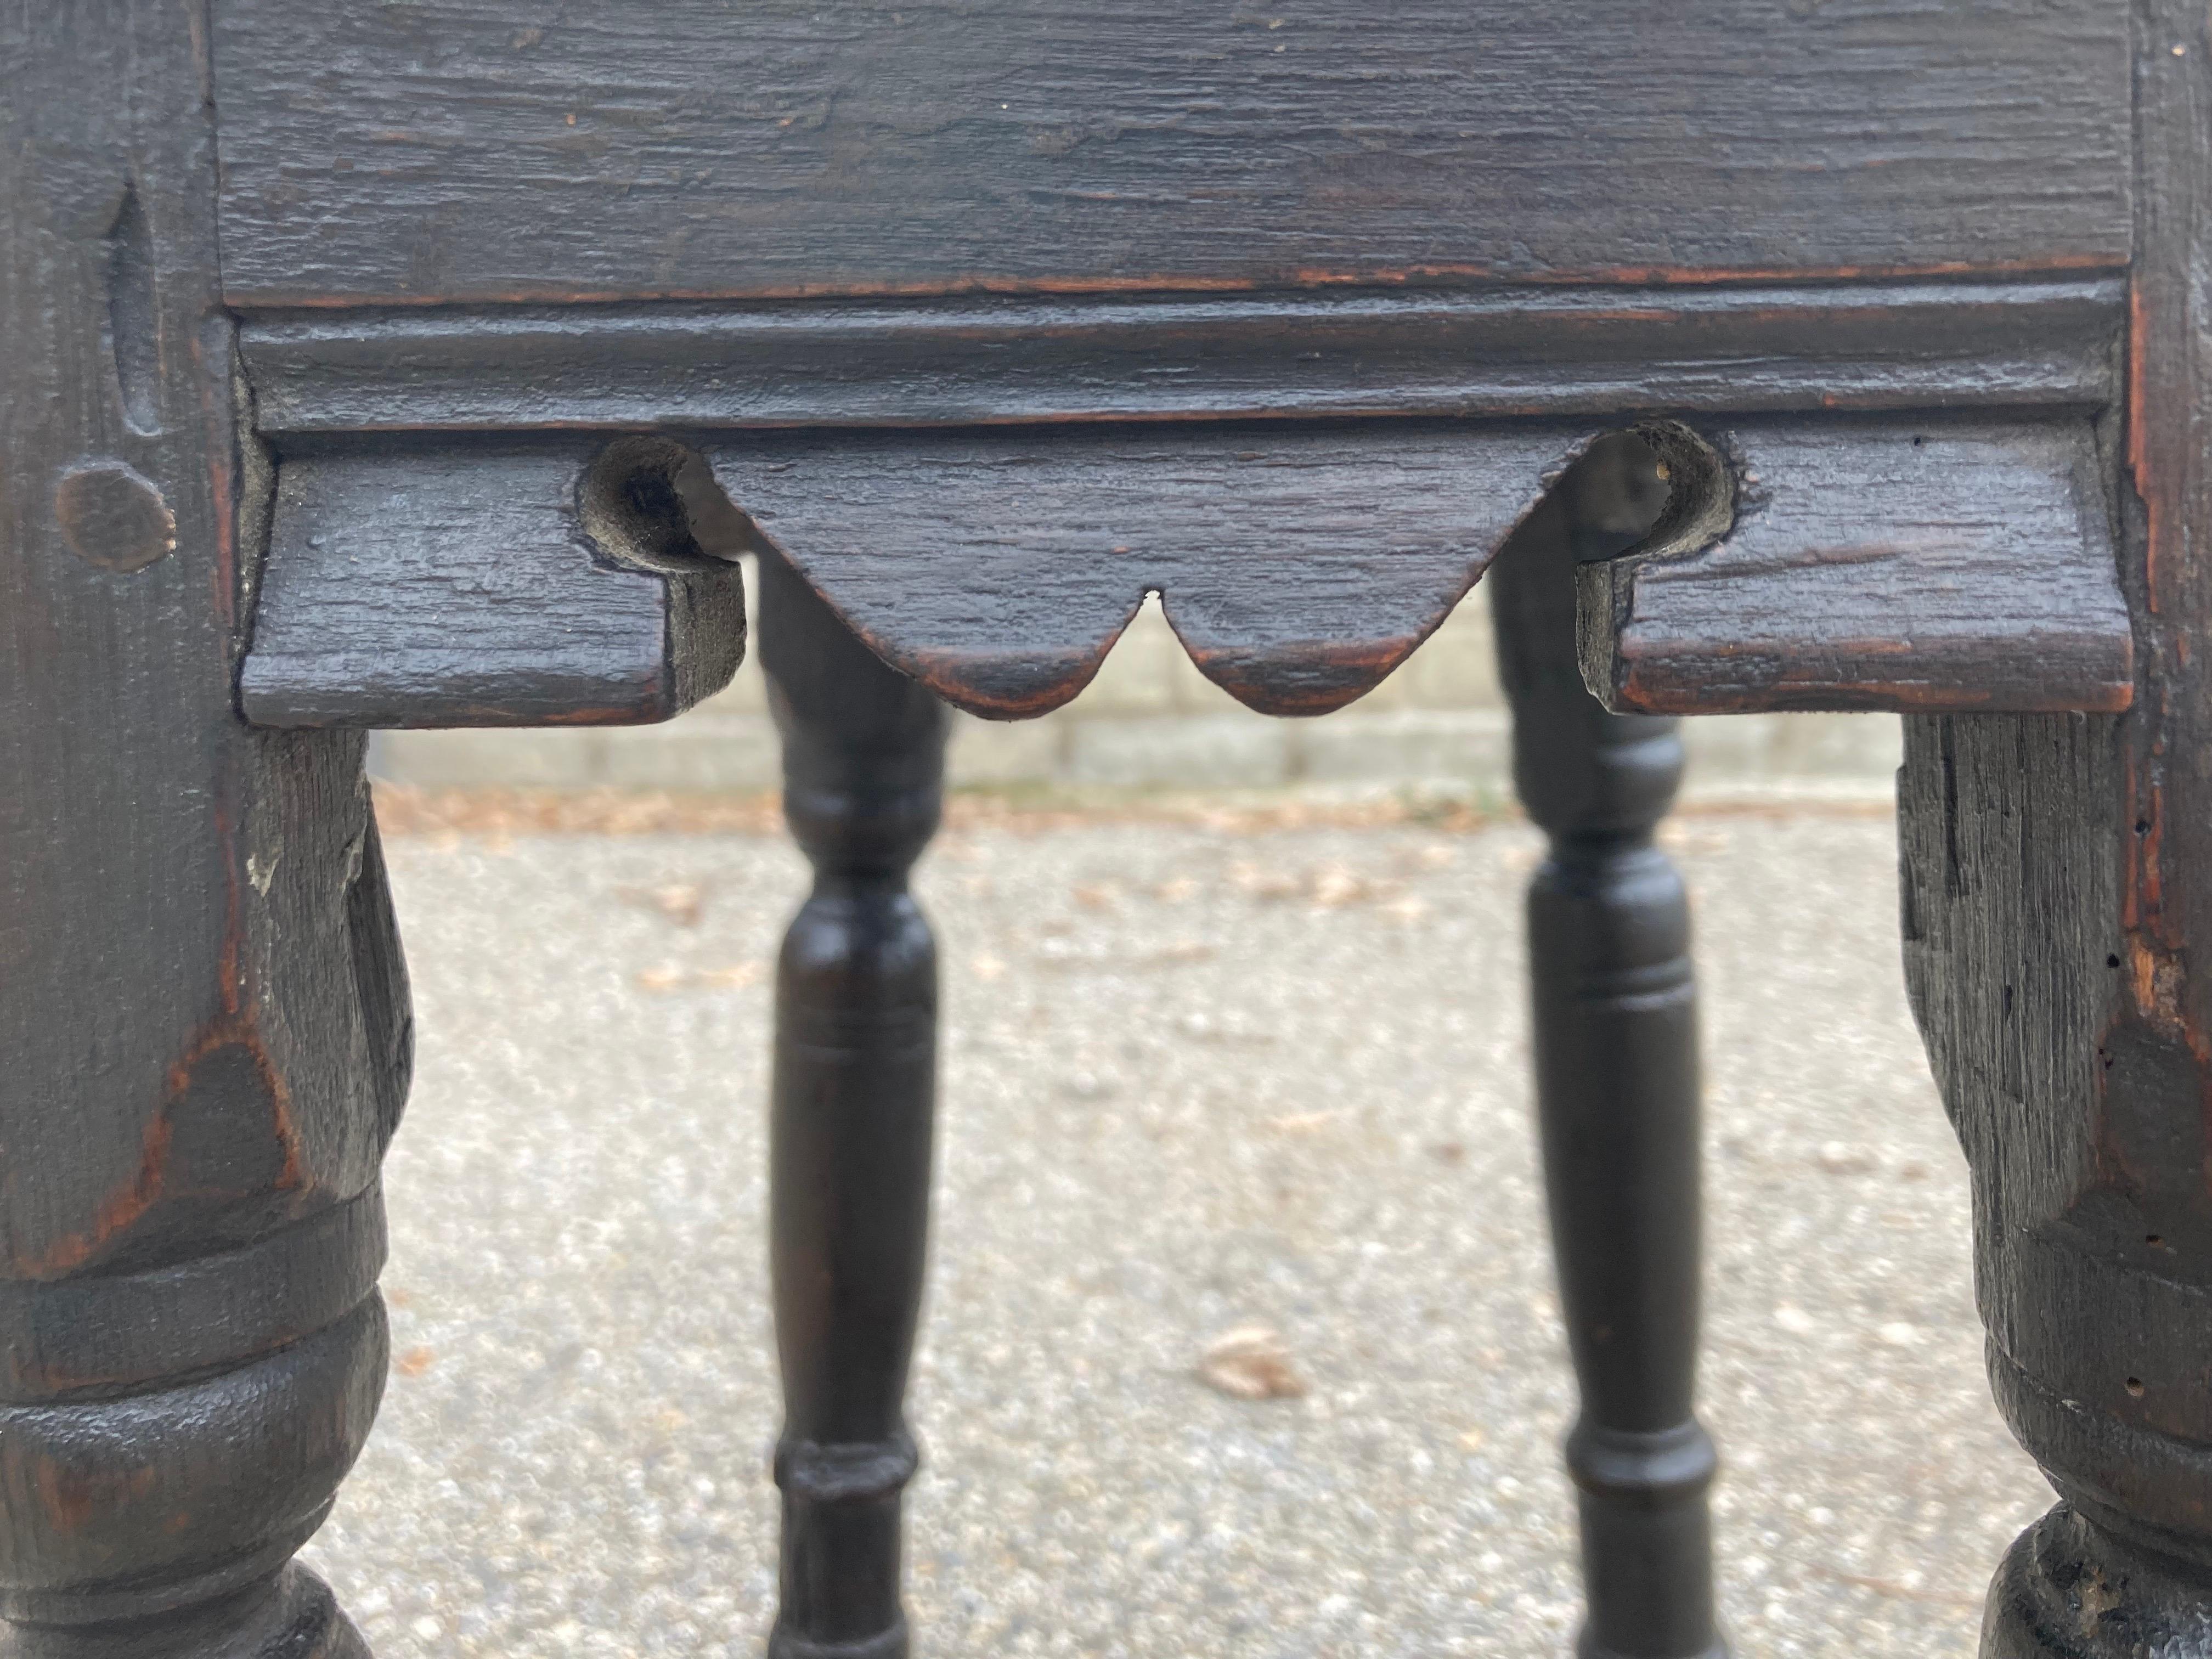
x: 433, y: 364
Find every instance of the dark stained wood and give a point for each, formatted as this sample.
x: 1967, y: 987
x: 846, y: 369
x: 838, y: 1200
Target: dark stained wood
x: 480, y: 585
x: 1922, y: 564
x: 1300, y: 564
x: 854, y: 1094
x: 205, y: 1025
x: 1362, y: 281
x: 1501, y: 351
x: 2057, y: 916
x: 1614, y: 1018
x: 1931, y: 565
x: 496, y: 149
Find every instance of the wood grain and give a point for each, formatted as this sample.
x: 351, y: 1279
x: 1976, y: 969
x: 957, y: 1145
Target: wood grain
x: 1298, y: 563
x: 205, y: 1027
x: 2057, y: 916
x: 1900, y: 564
x: 1524, y: 351
x: 459, y: 586
x: 511, y: 149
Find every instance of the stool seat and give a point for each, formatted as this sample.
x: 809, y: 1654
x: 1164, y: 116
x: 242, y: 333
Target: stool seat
x: 437, y: 365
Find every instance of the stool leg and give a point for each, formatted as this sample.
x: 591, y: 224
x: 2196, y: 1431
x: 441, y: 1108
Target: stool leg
x: 2058, y: 924
x: 1617, y: 1089
x: 853, y: 1094
x: 203, y: 1030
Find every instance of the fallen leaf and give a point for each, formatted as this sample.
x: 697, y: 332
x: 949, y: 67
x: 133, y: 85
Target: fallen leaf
x: 1301, y: 1123
x: 1185, y: 950
x: 415, y: 1362
x: 1472, y: 1440
x: 1336, y: 886
x: 668, y: 977
x: 681, y: 903
x: 1250, y: 1363
x: 733, y: 978
x: 1840, y: 1159
x: 1252, y: 880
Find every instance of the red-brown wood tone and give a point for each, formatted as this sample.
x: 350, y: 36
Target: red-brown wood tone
x: 2057, y: 913
x: 447, y: 396
x: 507, y: 149
x: 485, y: 583
x: 204, y: 1026
x: 1916, y: 566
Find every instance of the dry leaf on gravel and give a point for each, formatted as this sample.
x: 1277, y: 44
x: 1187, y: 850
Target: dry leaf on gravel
x: 1256, y: 882
x: 1839, y: 1158
x: 1336, y: 886
x: 1250, y: 1363
x: 680, y: 901
x: 669, y: 977
x: 1181, y: 949
x: 1301, y: 1123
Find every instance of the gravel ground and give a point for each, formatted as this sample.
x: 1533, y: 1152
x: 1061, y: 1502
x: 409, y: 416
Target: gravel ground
x: 1195, y: 1078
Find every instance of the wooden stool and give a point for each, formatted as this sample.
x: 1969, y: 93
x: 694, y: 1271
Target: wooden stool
x: 432, y: 365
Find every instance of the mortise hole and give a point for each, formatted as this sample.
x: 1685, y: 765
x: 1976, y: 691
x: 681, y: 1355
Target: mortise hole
x: 1654, y: 490
x: 2136, y: 1387
x: 1616, y: 491
x: 134, y: 339
x: 2112, y: 962
x: 2157, y: 1239
x: 653, y: 502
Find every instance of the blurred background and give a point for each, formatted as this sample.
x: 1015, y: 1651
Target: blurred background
x: 1241, y: 1336
x: 1435, y: 729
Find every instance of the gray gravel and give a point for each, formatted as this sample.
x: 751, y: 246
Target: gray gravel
x: 1194, y: 1080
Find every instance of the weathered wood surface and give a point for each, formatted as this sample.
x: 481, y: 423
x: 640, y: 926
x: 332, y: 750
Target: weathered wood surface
x: 2058, y: 917
x: 1890, y: 564
x: 1298, y: 563
x: 204, y: 1026
x: 495, y: 149
x: 1614, y: 1028
x: 854, y: 1096
x: 1602, y: 351
x: 464, y: 585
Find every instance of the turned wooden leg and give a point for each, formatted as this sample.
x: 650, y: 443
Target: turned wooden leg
x: 2057, y: 919
x: 1617, y: 1091
x: 854, y: 1090
x: 203, y: 1035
